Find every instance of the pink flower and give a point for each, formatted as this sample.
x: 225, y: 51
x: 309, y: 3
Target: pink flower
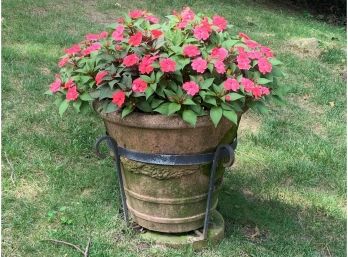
x: 156, y: 33
x: 135, y: 14
x: 191, y: 50
x: 187, y: 14
x: 167, y: 65
x: 145, y: 66
x: 100, y: 76
x: 63, y: 61
x: 231, y: 84
x: 247, y: 84
x: 152, y: 19
x: 118, y: 98
x: 257, y: 92
x: 242, y: 35
x: 103, y: 34
x: 264, y: 66
x: 227, y: 98
x: 265, y: 91
x: 74, y: 49
x: 251, y: 43
x: 199, y: 65
x: 243, y: 60
x: 120, y: 20
x: 92, y: 37
x: 201, y: 33
x: 92, y: 48
x: 70, y: 83
x: 219, y: 22
x: 220, y: 67
x: 254, y: 54
x: 55, y: 86
x: 191, y: 88
x: 130, y: 60
x: 266, y: 51
x: 72, y: 93
x: 139, y: 85
x: 118, y: 47
x: 136, y: 39
x: 117, y: 35
x: 219, y: 53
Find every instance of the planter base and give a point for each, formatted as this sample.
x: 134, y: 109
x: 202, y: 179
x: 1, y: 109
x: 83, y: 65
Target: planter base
x: 194, y: 238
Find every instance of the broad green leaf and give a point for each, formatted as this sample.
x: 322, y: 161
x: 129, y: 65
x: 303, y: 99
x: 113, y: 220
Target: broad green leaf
x: 86, y: 97
x: 188, y: 101
x: 162, y: 109
x: 173, y: 108
x: 144, y: 106
x: 148, y: 92
x: 206, y: 83
x: 147, y: 79
x: 235, y: 96
x: 229, y: 43
x: 231, y: 115
x: 77, y: 105
x: 190, y: 117
x: 110, y: 108
x: 63, y: 106
x: 127, y: 110
x: 275, y: 61
x: 210, y: 100
x: 216, y: 115
x: 155, y: 103
x: 263, y: 81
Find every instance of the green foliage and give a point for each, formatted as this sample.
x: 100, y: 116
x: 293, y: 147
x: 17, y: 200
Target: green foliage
x: 99, y: 67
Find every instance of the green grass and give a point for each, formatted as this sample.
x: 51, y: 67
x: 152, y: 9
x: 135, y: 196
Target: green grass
x: 288, y: 184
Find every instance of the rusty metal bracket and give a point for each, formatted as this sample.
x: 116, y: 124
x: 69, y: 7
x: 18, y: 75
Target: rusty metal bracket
x: 223, y: 153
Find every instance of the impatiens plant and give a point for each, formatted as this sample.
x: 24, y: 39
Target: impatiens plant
x: 190, y: 65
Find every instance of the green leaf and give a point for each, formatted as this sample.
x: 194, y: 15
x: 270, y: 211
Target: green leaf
x: 188, y: 101
x: 231, y: 115
x: 77, y: 105
x: 206, y: 83
x: 263, y: 81
x: 216, y: 115
x: 162, y: 109
x: 259, y: 106
x: 275, y: 61
x: 86, y: 97
x: 105, y: 92
x: 173, y: 108
x: 147, y: 79
x: 229, y: 43
x: 63, y: 106
x: 155, y: 103
x: 148, y: 92
x: 190, y: 117
x: 127, y: 110
x: 144, y: 106
x: 235, y: 96
x: 110, y: 108
x: 210, y: 100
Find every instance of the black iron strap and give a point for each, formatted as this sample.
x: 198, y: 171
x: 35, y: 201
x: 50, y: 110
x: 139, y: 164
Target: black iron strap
x: 168, y: 159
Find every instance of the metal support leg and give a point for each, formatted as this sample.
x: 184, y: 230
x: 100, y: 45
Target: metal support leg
x: 114, y: 148
x: 219, y: 151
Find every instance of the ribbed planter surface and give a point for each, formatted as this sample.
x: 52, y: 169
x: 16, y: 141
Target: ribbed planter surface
x: 161, y: 198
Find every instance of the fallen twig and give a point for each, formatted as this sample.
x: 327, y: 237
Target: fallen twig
x: 84, y: 253
x: 11, y: 167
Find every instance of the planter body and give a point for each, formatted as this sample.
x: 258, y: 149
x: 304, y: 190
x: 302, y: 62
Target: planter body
x: 169, y: 199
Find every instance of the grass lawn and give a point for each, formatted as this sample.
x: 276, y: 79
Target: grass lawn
x: 285, y: 196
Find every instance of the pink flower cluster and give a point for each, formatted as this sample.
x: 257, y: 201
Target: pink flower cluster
x: 148, y: 55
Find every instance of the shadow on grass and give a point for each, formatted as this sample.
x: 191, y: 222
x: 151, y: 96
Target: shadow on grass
x: 279, y: 227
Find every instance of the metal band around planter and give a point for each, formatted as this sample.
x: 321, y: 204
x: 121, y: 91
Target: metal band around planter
x: 222, y: 152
